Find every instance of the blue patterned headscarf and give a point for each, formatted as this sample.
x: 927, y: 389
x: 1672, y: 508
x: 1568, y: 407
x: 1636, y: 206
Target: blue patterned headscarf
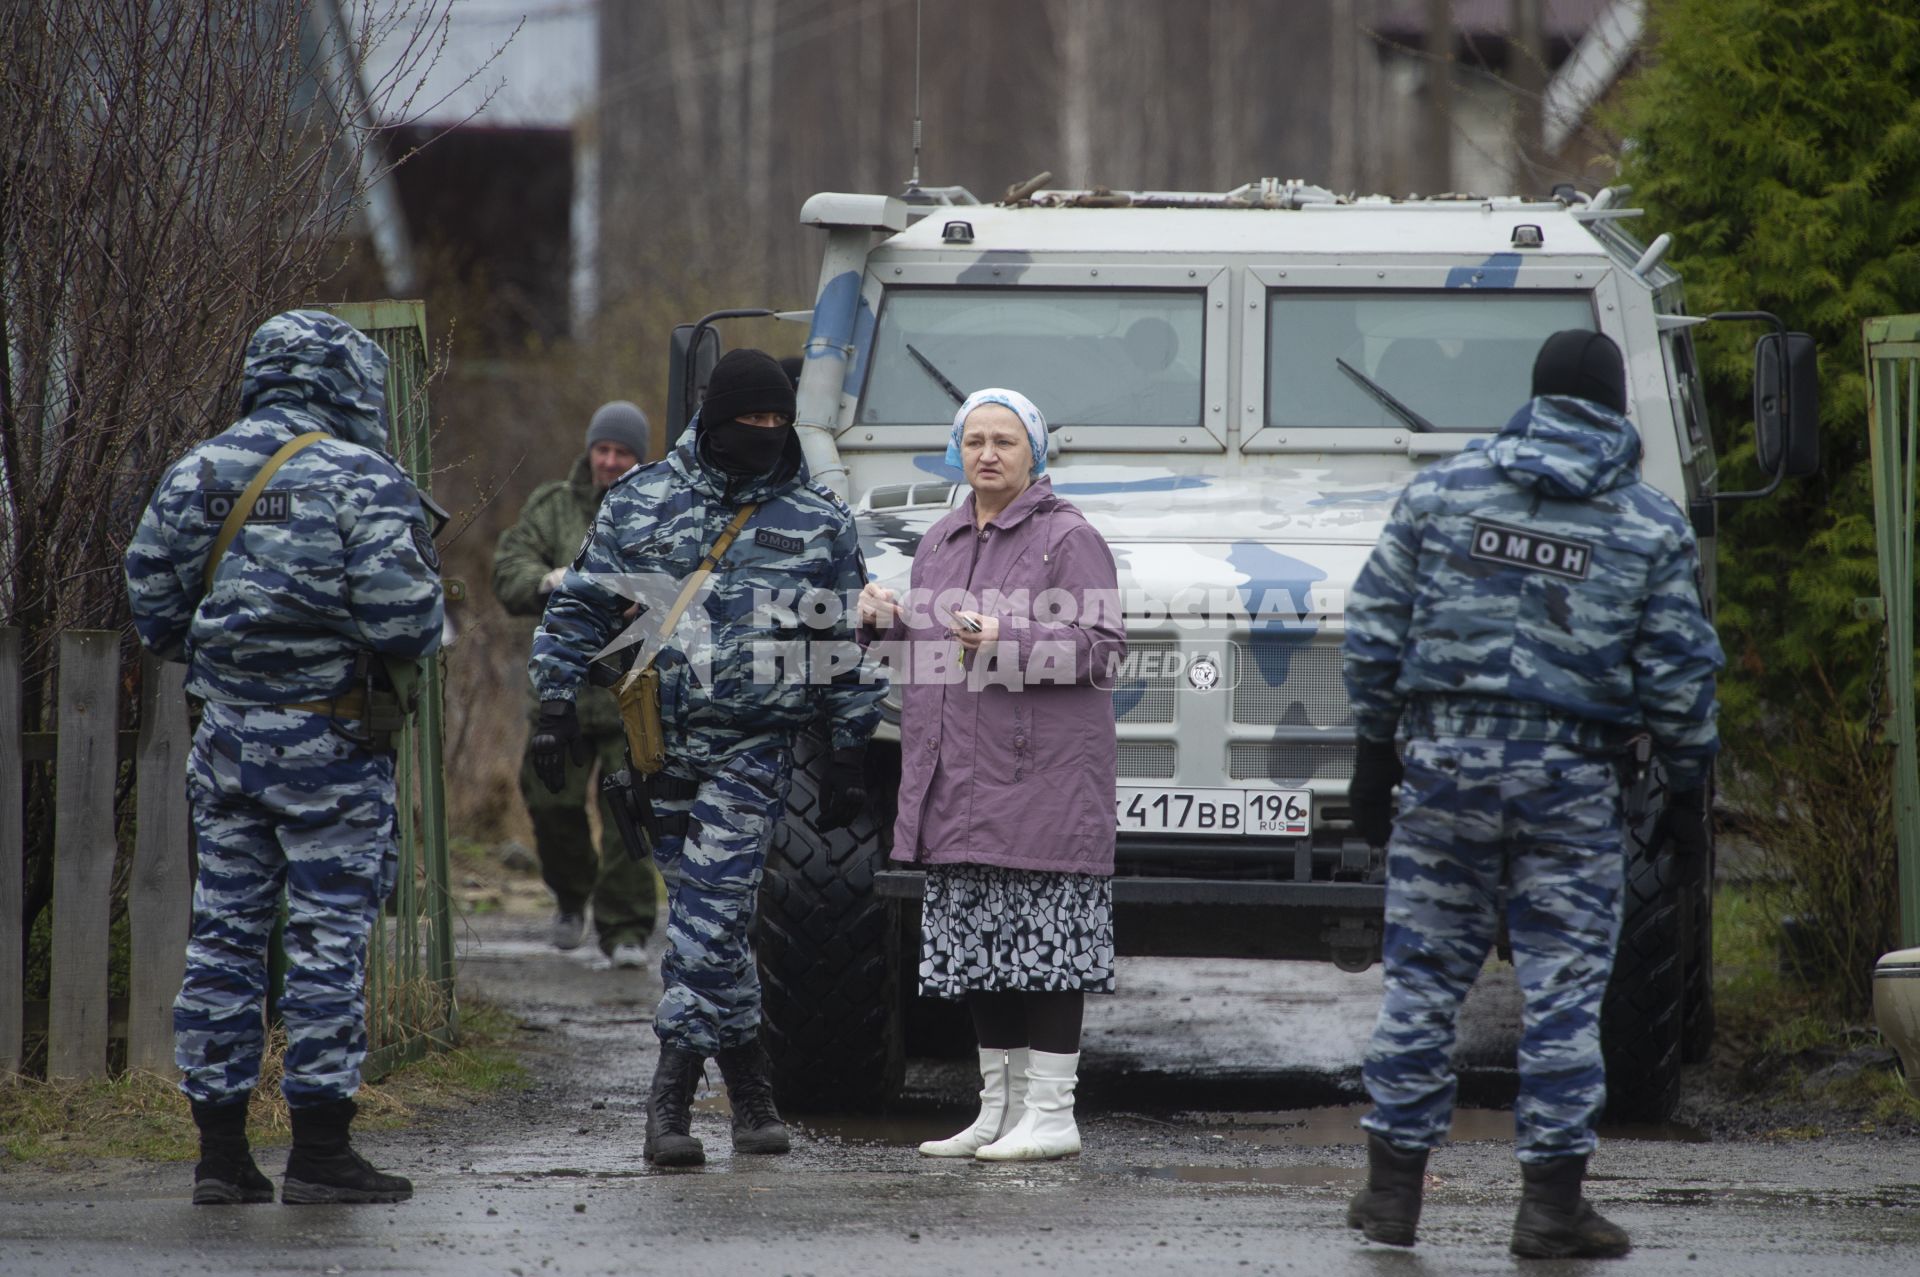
x: 1022, y: 408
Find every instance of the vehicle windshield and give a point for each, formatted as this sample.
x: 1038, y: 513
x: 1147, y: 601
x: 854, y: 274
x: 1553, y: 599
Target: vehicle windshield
x: 1463, y: 360
x: 1107, y: 357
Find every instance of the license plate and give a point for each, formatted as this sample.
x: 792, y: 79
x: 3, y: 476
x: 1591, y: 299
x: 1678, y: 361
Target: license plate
x: 1268, y: 813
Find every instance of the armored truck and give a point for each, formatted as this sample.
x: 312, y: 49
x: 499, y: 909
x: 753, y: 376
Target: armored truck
x: 1238, y: 384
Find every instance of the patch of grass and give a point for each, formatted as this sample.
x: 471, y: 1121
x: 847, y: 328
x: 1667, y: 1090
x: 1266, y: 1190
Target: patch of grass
x: 1805, y: 1032
x: 484, y: 1063
x: 470, y: 854
x: 139, y: 1115
x: 1751, y: 1001
x: 144, y: 1116
x: 1880, y: 1094
x: 1776, y: 1036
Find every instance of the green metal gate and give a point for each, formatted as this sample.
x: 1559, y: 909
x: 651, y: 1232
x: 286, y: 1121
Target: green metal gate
x: 1893, y: 400
x: 410, y: 995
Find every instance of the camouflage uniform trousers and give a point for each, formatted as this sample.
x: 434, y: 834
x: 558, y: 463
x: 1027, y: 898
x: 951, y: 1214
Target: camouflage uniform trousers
x: 625, y: 893
x: 280, y: 801
x: 712, y: 998
x: 1548, y: 818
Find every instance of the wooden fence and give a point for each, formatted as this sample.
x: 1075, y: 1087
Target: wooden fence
x: 409, y: 977
x: 87, y: 749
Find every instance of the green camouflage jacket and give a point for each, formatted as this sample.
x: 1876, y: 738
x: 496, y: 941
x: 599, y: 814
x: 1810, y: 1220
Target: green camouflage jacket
x: 548, y: 534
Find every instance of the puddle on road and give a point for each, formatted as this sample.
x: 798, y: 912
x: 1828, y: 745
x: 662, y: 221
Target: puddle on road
x: 894, y: 1131
x: 1324, y: 1128
x: 1281, y: 1176
x: 1291, y: 1128
x: 1901, y: 1199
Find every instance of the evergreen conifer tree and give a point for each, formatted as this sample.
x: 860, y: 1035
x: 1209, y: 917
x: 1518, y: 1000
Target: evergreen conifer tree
x: 1779, y: 142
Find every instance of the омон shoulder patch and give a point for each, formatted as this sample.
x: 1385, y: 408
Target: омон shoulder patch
x: 1534, y: 551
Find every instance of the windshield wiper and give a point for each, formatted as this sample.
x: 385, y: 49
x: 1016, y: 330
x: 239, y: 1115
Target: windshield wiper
x: 937, y: 375
x: 1384, y: 397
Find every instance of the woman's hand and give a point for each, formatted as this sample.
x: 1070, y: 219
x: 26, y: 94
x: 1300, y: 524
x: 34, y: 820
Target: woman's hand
x: 974, y: 640
x: 878, y: 606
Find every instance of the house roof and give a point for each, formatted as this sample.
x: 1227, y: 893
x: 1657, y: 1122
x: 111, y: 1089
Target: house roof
x: 1591, y: 70
x: 505, y: 64
x: 1562, y: 20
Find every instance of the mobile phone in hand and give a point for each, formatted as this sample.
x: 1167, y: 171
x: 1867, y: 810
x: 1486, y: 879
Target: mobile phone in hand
x: 966, y: 623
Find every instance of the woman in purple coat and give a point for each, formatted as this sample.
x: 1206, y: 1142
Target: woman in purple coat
x: 1002, y: 649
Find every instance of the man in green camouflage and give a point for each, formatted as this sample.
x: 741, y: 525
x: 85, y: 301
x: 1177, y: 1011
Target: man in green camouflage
x: 527, y: 564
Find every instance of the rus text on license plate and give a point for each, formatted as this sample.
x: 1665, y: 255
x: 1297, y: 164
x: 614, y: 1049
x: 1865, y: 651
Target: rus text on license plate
x: 1283, y: 813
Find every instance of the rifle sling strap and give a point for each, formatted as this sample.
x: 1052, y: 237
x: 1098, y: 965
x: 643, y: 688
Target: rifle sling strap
x: 691, y: 588
x: 230, y: 527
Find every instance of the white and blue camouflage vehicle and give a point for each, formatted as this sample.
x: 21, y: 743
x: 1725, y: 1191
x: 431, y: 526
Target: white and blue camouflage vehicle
x: 1239, y: 386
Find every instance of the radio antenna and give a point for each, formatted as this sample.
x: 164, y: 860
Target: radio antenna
x: 913, y: 182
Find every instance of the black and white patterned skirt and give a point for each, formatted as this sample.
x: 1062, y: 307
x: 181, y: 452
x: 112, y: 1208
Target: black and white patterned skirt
x: 986, y: 928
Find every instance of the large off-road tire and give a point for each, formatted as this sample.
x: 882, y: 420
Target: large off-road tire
x: 1696, y: 1038
x: 829, y: 957
x: 1643, y: 1018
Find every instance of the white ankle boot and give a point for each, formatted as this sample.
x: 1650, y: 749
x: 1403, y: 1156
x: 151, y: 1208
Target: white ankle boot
x: 1046, y: 1130
x: 1003, y: 1093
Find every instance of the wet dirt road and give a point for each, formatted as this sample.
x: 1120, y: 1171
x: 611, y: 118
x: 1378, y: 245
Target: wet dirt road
x: 1219, y: 1111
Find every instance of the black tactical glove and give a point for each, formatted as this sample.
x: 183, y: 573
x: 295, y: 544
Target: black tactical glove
x: 1376, y: 773
x: 845, y: 794
x: 1686, y: 824
x: 556, y: 738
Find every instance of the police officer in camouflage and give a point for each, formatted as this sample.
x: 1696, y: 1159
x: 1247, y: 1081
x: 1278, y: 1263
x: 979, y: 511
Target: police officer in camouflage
x: 333, y: 568
x: 1531, y: 607
x: 746, y: 669
x: 528, y: 563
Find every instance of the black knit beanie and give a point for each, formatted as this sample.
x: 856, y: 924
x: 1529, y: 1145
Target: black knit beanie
x: 743, y: 382
x: 1582, y: 364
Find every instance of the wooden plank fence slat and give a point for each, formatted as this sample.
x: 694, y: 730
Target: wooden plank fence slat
x: 43, y: 747
x: 83, y: 852
x: 12, y: 858
x: 160, y: 889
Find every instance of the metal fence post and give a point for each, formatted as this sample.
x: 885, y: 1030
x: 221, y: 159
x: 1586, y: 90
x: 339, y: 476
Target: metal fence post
x: 401, y: 1021
x: 1892, y: 348
x: 12, y: 860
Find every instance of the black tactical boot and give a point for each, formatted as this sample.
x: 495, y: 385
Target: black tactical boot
x: 1387, y: 1210
x: 226, y: 1175
x: 670, y: 1141
x: 323, y: 1169
x: 757, y: 1128
x: 1556, y: 1222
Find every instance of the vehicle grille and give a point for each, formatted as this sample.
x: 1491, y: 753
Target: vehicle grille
x: 1146, y: 700
x: 1147, y: 759
x: 1309, y: 691
x: 1289, y: 762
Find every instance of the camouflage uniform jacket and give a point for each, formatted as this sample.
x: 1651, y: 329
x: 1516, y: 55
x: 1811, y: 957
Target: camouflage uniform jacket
x: 654, y: 525
x: 1537, y: 568
x: 336, y: 558
x: 547, y: 535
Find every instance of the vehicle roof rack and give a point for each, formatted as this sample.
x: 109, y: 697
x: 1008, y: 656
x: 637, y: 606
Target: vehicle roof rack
x: 1273, y: 193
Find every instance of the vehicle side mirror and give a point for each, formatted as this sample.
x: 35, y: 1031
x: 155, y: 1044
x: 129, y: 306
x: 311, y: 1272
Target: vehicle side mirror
x: 1786, y: 405
x: 687, y: 373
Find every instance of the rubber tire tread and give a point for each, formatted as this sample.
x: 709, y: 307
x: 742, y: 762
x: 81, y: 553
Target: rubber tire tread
x: 828, y: 950
x: 1642, y: 1017
x: 1696, y: 1037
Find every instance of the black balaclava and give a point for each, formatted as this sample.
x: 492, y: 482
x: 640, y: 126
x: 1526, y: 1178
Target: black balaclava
x: 743, y: 382
x: 1584, y: 365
